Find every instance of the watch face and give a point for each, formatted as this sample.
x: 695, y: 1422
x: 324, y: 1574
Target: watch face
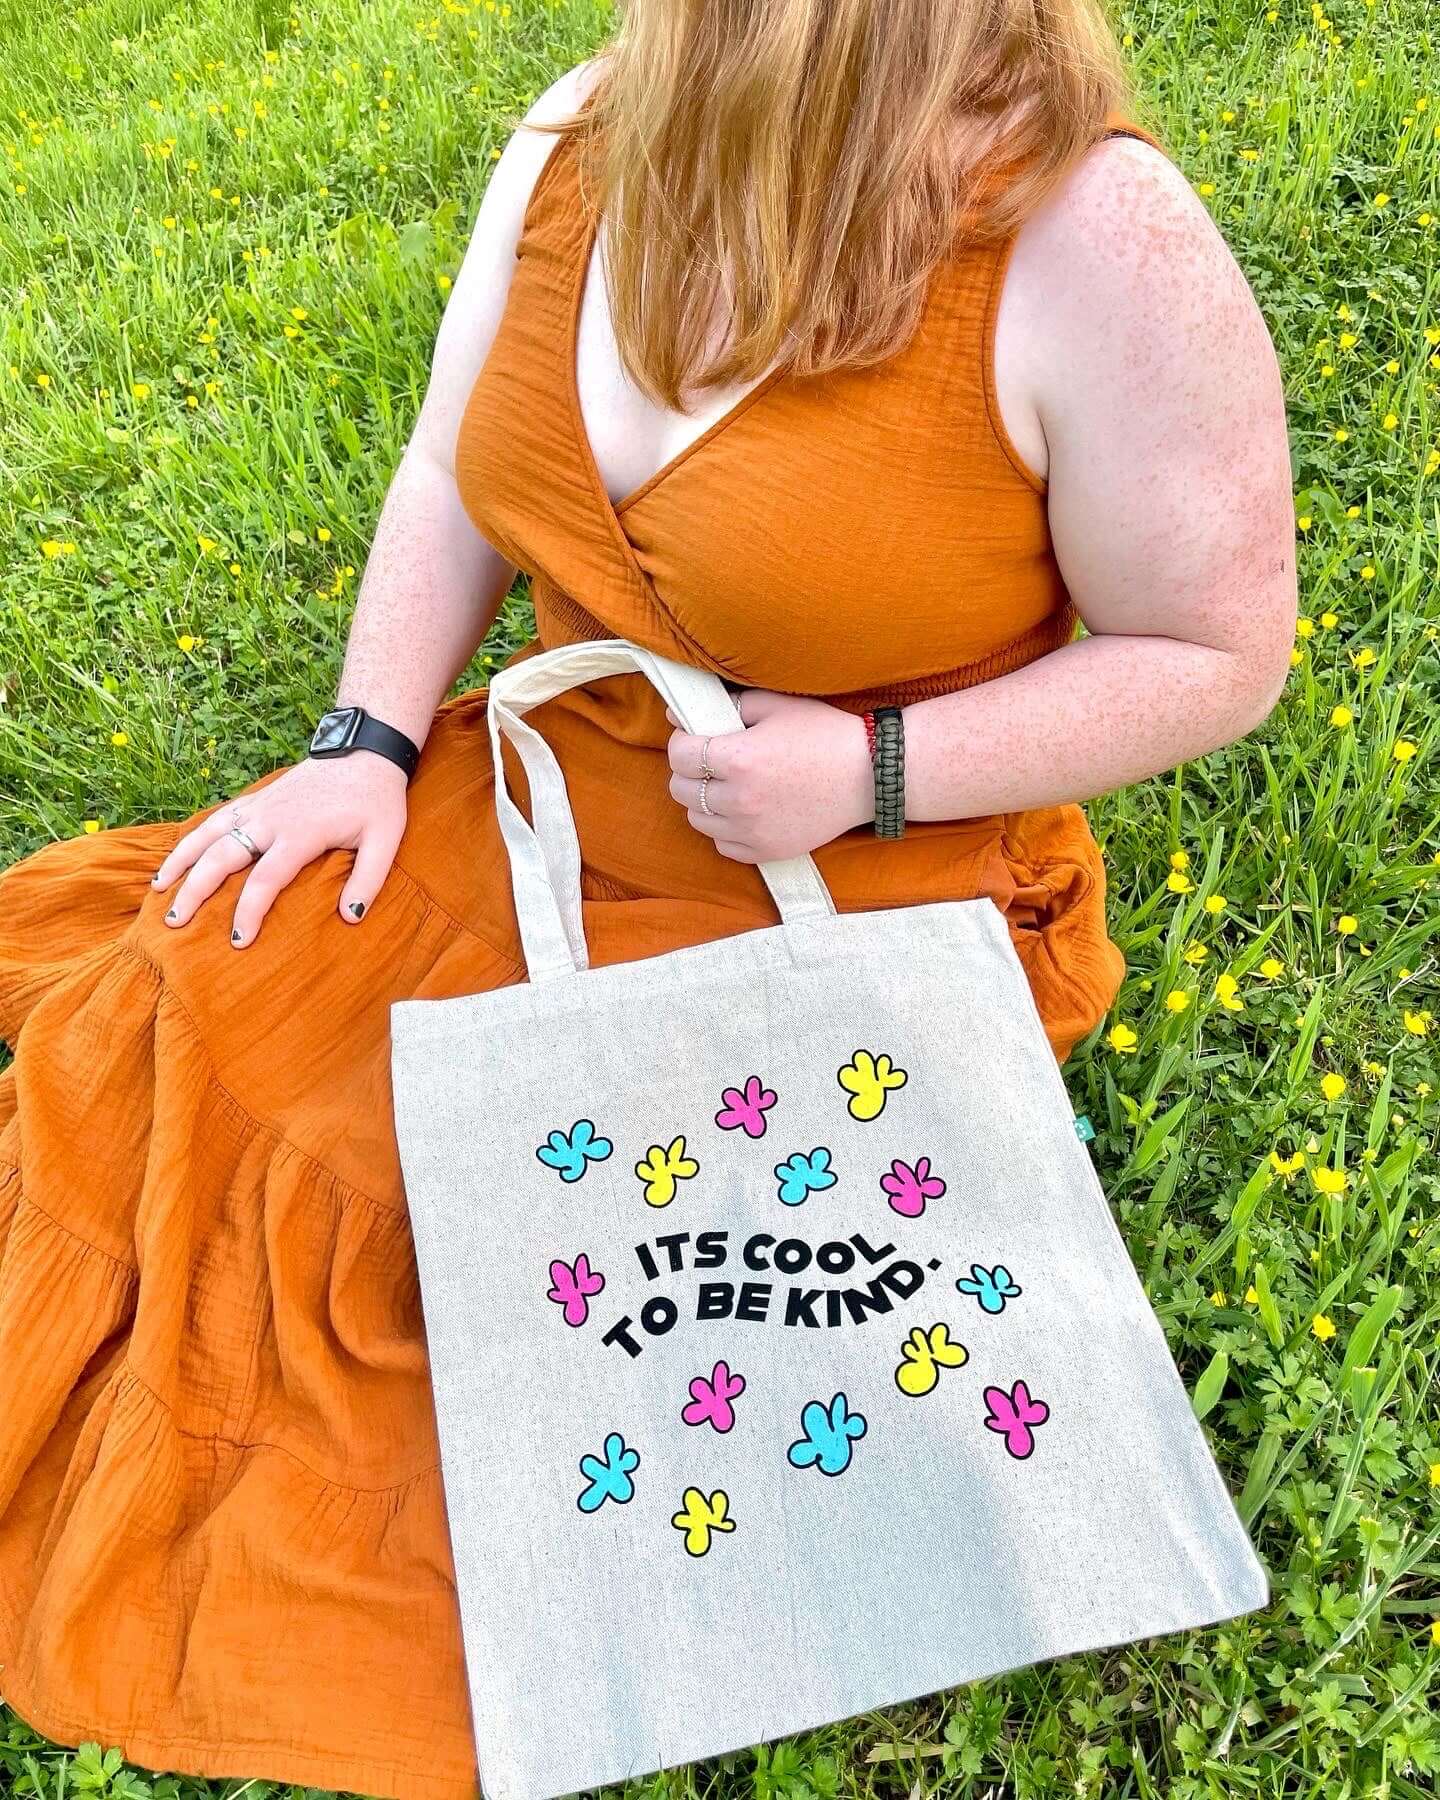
x: 335, y: 731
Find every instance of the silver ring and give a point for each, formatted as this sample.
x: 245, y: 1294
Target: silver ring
x: 705, y: 770
x: 245, y: 838
x: 705, y: 806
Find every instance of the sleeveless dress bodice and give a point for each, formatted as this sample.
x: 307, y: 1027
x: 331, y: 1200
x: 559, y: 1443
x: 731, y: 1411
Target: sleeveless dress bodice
x: 864, y: 536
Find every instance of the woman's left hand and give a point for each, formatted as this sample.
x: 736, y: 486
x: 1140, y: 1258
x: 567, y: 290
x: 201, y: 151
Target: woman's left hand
x: 796, y: 777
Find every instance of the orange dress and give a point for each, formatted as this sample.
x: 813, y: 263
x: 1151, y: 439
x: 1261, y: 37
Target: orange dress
x: 223, y: 1541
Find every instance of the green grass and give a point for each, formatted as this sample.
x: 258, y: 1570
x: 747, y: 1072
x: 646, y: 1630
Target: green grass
x: 196, y: 607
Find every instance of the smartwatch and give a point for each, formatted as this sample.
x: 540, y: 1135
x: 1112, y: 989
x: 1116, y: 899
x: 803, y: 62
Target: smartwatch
x: 347, y: 728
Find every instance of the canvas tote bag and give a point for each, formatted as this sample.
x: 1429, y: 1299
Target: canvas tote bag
x: 787, y: 1361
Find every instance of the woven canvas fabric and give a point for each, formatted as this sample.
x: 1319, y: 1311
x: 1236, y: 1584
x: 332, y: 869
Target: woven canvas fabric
x: 787, y: 1360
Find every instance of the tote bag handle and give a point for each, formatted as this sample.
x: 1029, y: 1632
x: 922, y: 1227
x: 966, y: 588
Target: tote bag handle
x: 545, y: 859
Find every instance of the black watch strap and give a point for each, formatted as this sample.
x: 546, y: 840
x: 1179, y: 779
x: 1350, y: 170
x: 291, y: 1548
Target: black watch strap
x: 348, y: 728
x: 374, y: 734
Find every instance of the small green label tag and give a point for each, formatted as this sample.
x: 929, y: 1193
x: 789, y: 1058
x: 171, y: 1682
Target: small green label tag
x: 1084, y: 1130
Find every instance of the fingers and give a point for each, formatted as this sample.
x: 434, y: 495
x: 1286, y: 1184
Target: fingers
x: 687, y: 752
x: 721, y: 833
x: 274, y: 871
x: 756, y: 704
x: 687, y: 792
x: 372, y: 864
x: 186, y: 850
x: 219, y: 859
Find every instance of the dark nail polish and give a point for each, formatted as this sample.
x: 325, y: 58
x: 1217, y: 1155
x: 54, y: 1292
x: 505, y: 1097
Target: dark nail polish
x: 358, y: 908
x: 171, y: 913
x: 235, y: 937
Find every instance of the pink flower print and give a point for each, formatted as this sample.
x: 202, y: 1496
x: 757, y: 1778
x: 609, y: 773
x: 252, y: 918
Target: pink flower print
x: 909, y: 1188
x: 746, y: 1107
x: 1015, y: 1414
x: 711, y: 1402
x: 571, y: 1288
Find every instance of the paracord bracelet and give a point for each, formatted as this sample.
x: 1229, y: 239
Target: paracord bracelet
x: 888, y: 761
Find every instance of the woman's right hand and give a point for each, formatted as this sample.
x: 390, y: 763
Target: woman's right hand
x: 355, y: 802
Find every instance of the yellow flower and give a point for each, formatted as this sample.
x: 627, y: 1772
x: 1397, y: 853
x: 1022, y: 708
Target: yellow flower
x: 1329, y: 620
x: 1322, y: 1327
x: 1332, y: 1086
x: 1363, y: 657
x: 1341, y: 435
x: 207, y: 544
x: 1304, y: 628
x: 1417, y: 1023
x: 1435, y: 1474
x: 1179, y: 882
x: 1251, y: 1297
x: 1287, y: 1165
x: 298, y: 312
x: 1195, y: 953
x: 323, y: 533
x: 1390, y: 421
x: 662, y: 1168
x: 1218, y: 1297
x: 1435, y: 1631
x: 1382, y: 199
x: 1329, y: 1181
x: 42, y: 381
x: 186, y: 642
x: 1367, y: 573
x: 119, y: 737
x: 92, y: 826
x: 1123, y: 1039
x: 1179, y: 859
x: 1403, y: 750
x: 1341, y: 716
x: 1305, y: 521
x: 1227, y: 992
x: 1215, y: 903
x: 1348, y: 340
x: 1177, y: 1000
x: 1271, y: 967
x: 1347, y: 924
x: 140, y: 389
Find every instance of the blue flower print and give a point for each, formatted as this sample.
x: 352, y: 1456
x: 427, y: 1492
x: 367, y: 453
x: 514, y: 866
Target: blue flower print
x: 828, y: 1435
x: 572, y: 1155
x: 991, y: 1287
x: 800, y: 1175
x: 610, y: 1479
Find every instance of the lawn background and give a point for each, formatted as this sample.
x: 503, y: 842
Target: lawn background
x: 226, y: 233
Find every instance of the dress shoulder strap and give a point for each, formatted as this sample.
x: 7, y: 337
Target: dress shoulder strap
x: 1119, y: 126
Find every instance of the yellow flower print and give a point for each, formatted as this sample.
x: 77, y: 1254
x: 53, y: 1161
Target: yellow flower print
x: 868, y: 1079
x: 922, y: 1356
x: 661, y: 1168
x: 699, y: 1517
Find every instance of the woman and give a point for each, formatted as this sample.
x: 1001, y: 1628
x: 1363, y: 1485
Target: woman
x: 837, y: 349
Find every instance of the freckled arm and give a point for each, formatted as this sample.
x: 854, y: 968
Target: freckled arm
x: 433, y: 584
x: 1170, y: 512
